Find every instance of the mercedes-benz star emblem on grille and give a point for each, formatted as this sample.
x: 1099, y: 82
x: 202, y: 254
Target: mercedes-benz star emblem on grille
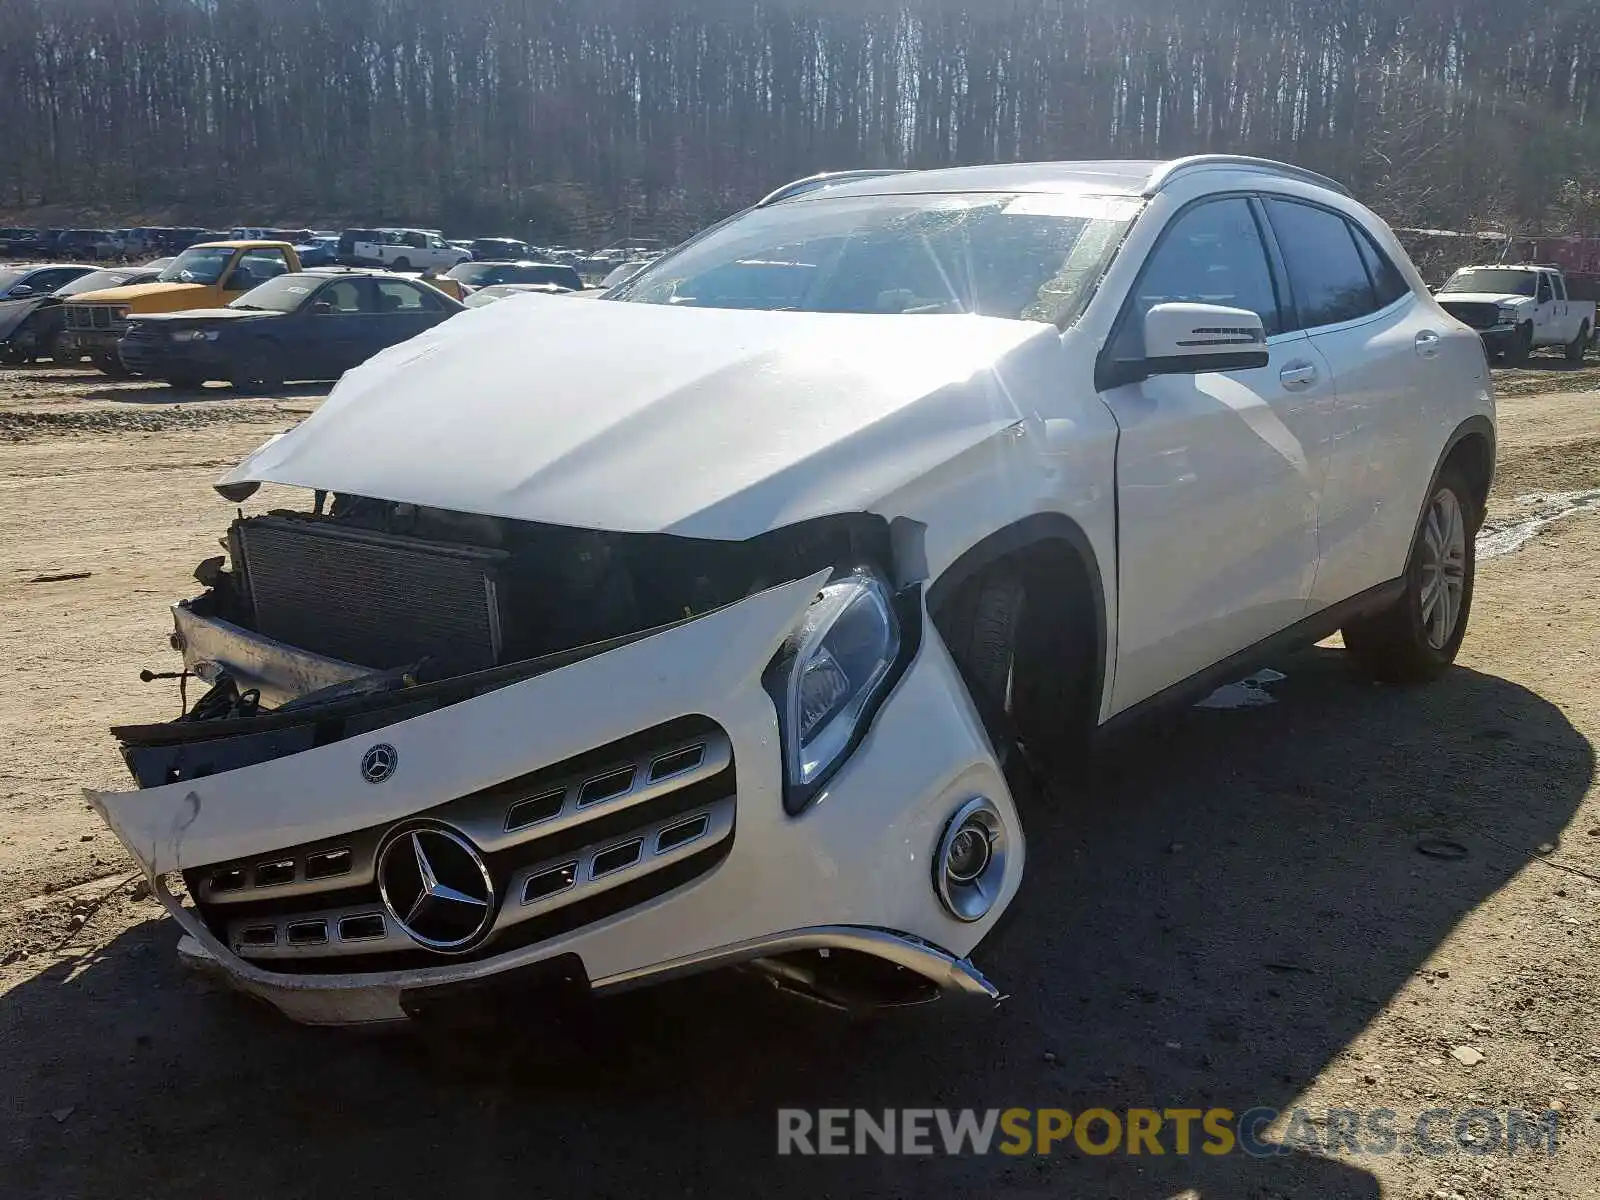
x: 437, y: 888
x: 378, y: 763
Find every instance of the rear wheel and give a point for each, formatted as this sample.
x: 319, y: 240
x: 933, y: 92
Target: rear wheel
x: 402, y: 264
x: 1578, y: 345
x: 1417, y: 637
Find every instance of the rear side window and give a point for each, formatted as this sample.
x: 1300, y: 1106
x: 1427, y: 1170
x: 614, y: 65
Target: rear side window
x: 1387, y: 281
x: 1326, y: 272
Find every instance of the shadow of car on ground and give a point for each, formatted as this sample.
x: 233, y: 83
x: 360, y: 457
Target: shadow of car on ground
x: 1211, y: 914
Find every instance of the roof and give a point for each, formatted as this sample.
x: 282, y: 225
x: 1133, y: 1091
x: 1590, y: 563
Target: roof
x: 1111, y: 177
x: 240, y: 244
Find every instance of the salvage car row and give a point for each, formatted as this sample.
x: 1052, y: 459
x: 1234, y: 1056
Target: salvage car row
x: 245, y: 311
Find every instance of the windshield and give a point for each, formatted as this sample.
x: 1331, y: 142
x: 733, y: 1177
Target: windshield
x: 1030, y: 257
x: 96, y: 281
x: 201, y: 264
x: 1495, y: 280
x: 284, y: 294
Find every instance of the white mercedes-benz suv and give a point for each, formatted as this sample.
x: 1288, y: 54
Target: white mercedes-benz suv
x: 723, y: 620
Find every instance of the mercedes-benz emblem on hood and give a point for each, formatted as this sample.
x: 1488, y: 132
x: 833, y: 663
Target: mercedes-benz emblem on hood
x: 378, y: 763
x: 437, y: 888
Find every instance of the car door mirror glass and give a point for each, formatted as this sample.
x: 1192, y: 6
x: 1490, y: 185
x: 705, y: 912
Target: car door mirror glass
x: 19, y: 292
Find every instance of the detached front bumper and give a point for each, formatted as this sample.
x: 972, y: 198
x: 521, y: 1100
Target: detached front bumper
x: 854, y: 872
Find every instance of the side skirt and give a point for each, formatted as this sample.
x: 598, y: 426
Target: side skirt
x: 1306, y: 632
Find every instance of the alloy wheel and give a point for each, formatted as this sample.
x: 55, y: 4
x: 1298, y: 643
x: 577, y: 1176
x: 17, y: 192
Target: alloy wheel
x: 1444, y: 568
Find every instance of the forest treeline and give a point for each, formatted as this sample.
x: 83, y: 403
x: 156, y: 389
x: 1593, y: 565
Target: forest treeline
x: 574, y: 117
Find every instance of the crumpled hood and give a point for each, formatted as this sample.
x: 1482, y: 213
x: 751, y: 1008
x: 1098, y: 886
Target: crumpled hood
x: 641, y: 418
x: 1482, y: 298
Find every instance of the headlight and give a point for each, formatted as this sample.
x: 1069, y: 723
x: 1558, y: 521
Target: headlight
x: 829, y: 677
x: 1508, y: 312
x: 194, y: 335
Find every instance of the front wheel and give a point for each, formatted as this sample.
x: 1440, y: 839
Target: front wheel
x: 111, y: 365
x: 259, y: 372
x: 186, y: 381
x: 1578, y: 345
x: 1417, y: 637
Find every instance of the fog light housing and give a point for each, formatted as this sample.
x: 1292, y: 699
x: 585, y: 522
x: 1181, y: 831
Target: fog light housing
x: 970, y: 865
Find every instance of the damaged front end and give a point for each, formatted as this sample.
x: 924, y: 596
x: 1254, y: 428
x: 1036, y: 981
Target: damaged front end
x: 436, y: 749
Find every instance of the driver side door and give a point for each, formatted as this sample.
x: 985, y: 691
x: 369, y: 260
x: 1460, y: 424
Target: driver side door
x: 1219, y: 474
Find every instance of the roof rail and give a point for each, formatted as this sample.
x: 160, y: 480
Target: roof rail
x: 1167, y: 172
x: 824, y: 179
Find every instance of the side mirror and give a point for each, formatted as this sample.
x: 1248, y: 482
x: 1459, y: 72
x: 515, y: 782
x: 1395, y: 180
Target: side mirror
x: 322, y: 308
x: 1187, y: 339
x: 20, y: 292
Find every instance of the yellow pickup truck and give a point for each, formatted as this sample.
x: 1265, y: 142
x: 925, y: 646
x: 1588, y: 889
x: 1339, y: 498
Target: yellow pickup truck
x: 205, y: 276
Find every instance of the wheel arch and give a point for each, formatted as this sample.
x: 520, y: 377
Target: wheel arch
x: 1059, y: 545
x: 1471, y: 446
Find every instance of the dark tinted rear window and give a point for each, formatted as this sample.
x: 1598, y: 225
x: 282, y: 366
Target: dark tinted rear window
x: 1326, y: 273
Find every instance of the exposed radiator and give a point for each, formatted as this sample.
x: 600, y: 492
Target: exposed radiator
x: 373, y: 599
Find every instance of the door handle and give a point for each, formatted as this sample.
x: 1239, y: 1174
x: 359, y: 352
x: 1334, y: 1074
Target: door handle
x: 1427, y: 343
x: 1298, y: 375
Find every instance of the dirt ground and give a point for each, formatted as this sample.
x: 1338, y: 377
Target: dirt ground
x: 1231, y: 910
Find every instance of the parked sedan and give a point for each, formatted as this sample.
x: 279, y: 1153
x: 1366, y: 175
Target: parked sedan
x: 307, y: 325
x: 30, y: 327
x: 18, y: 283
x: 482, y: 274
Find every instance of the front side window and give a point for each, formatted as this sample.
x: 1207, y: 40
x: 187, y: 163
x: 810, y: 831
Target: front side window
x: 1326, y: 273
x: 1033, y: 257
x: 341, y: 297
x: 1544, y: 289
x: 1210, y: 254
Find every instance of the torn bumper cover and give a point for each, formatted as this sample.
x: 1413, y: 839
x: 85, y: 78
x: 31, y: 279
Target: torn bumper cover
x: 623, y: 810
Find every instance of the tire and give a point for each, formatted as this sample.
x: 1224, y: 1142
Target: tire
x: 1417, y: 637
x: 187, y: 382
x: 260, y: 370
x: 1026, y: 666
x: 1579, y: 345
x: 402, y: 264
x: 984, y: 639
x: 111, y: 365
x: 1521, y: 348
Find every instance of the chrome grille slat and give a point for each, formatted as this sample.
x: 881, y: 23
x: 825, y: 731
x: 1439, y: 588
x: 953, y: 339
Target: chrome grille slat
x: 586, y: 884
x: 483, y: 817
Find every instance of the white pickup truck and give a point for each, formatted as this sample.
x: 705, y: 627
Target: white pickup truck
x: 1519, y: 308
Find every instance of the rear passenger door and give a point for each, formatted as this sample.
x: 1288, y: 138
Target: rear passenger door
x: 1383, y: 344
